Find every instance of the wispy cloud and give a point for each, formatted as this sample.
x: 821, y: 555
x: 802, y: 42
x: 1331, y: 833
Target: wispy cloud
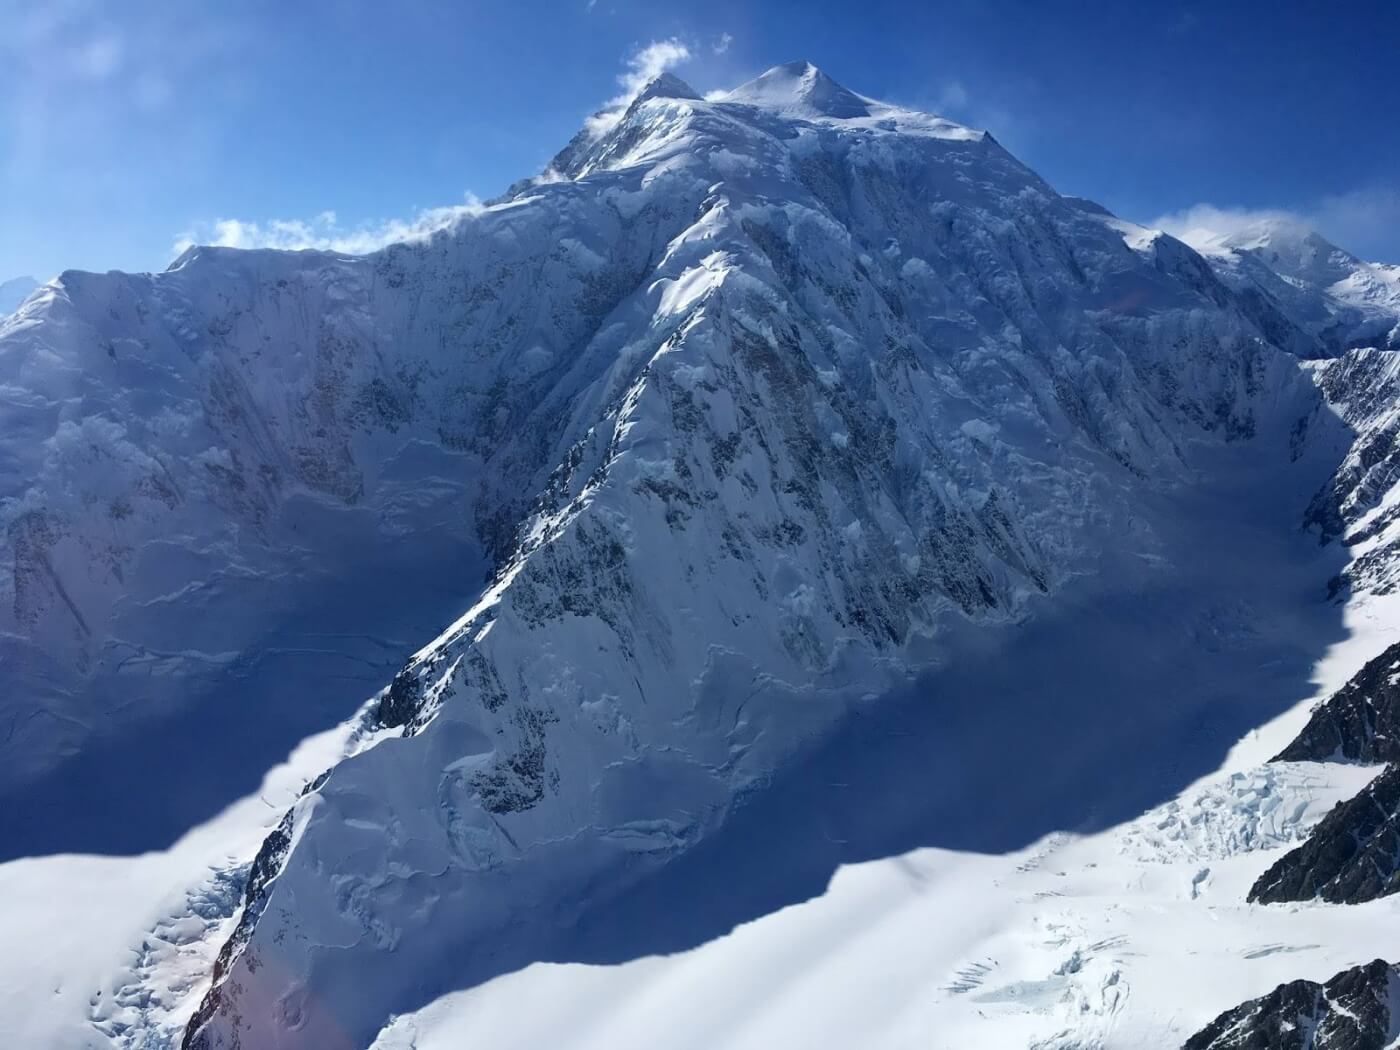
x: 325, y: 232
x: 1205, y: 225
x: 1365, y: 221
x: 721, y: 44
x: 80, y: 77
x: 643, y: 66
x: 953, y: 98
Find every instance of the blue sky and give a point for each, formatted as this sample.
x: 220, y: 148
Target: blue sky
x: 125, y: 128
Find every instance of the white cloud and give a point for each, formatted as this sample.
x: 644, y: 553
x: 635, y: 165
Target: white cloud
x: 642, y: 67
x: 650, y: 62
x: 1364, y: 221
x: 953, y: 98
x: 325, y: 232
x: 1205, y: 225
x: 721, y: 45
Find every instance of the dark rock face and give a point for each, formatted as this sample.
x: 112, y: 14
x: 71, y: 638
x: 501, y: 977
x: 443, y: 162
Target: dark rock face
x: 1358, y: 723
x: 402, y: 701
x: 264, y: 870
x: 1350, y: 1012
x: 1353, y: 854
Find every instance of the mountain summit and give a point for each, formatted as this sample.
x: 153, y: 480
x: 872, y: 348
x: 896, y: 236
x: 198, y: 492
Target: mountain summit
x: 800, y: 89
x: 667, y: 85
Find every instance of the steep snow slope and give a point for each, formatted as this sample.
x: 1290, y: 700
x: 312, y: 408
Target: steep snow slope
x: 879, y: 375
x: 753, y: 409
x: 1063, y: 945
x: 198, y: 456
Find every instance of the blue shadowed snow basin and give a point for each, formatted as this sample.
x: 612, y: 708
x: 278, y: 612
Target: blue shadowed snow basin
x: 337, y: 641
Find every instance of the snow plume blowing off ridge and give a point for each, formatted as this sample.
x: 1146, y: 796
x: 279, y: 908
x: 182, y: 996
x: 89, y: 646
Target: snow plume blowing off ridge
x: 643, y: 67
x: 743, y: 500
x: 326, y: 232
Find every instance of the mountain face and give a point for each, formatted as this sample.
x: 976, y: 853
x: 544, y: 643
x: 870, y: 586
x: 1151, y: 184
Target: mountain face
x: 1359, y: 505
x: 1359, y: 723
x: 715, y: 433
x: 1352, y: 856
x: 1353, y: 1011
x: 842, y: 406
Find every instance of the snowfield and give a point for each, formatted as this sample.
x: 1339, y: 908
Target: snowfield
x: 784, y: 576
x: 1065, y: 944
x: 1131, y: 937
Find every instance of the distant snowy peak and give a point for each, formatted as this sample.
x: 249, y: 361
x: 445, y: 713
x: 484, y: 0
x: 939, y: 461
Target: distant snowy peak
x: 1345, y: 301
x: 1291, y: 249
x: 15, y: 291
x: 1303, y: 255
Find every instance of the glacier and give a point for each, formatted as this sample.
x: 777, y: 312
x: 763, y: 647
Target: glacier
x: 782, y: 480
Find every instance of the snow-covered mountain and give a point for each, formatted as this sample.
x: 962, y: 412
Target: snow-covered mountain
x: 1345, y: 302
x: 767, y: 444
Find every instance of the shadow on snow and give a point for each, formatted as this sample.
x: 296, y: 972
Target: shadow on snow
x: 1116, y: 695
x: 143, y: 786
